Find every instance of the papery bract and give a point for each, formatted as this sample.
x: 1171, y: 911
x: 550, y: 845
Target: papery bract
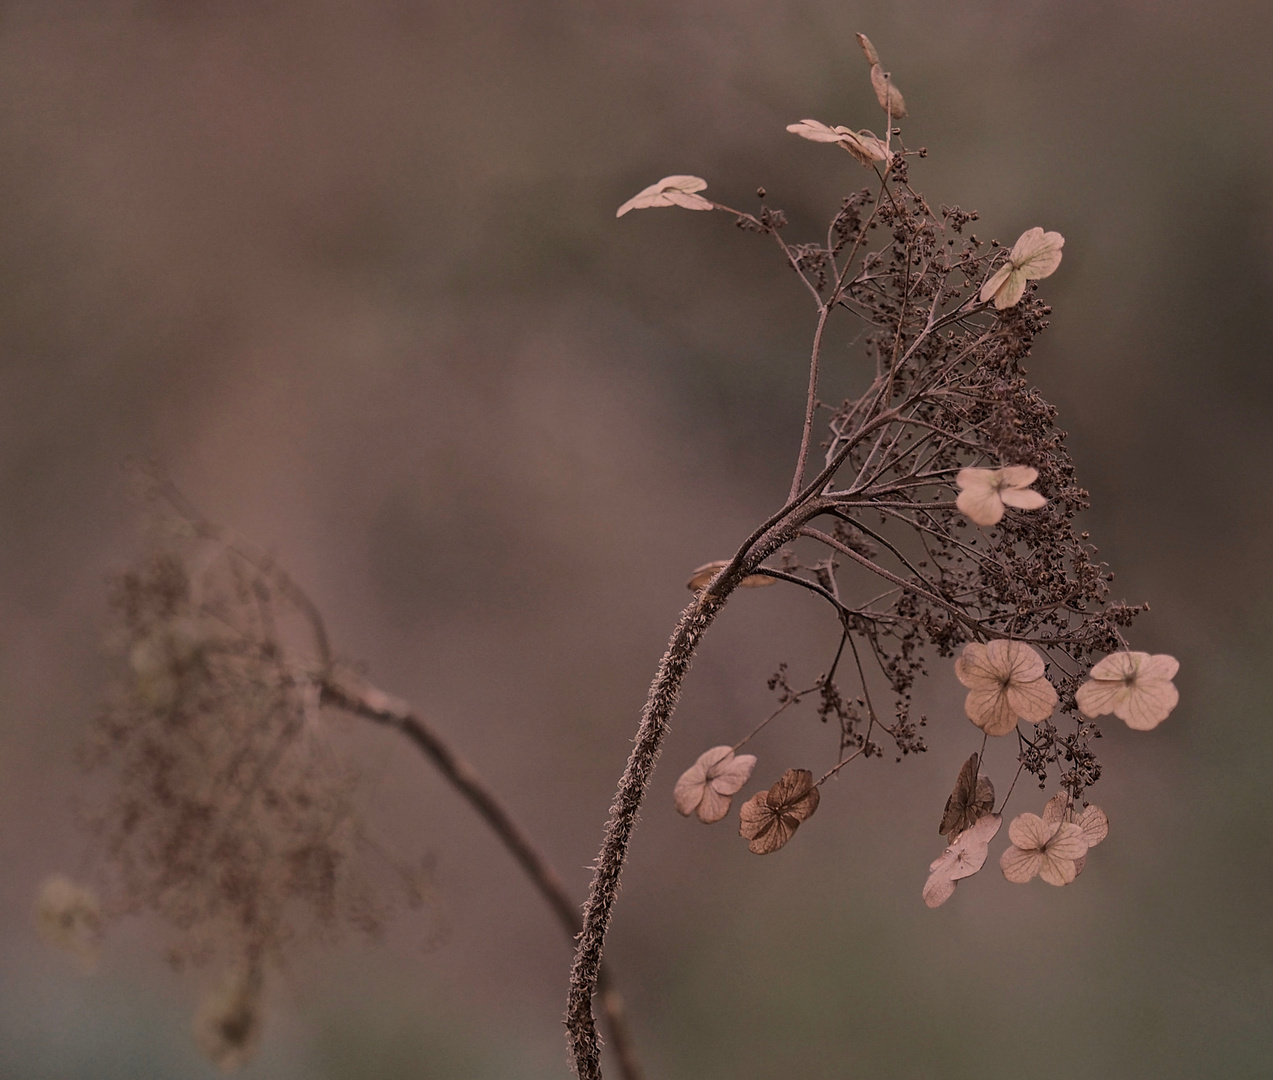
x: 670, y: 191
x: 770, y: 818
x: 1035, y: 255
x: 709, y: 784
x: 1006, y: 682
x: 983, y: 493
x: 1134, y: 686
x: 966, y: 855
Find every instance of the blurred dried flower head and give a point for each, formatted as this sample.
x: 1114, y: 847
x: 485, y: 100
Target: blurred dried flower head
x: 1134, y: 686
x: 770, y: 818
x: 670, y: 191
x: 1047, y: 849
x: 69, y: 917
x: 972, y: 799
x: 1036, y: 254
x: 1005, y: 683
x: 229, y: 811
x: 966, y: 855
x: 709, y: 784
x: 984, y: 493
x: 227, y: 1024
x: 704, y: 574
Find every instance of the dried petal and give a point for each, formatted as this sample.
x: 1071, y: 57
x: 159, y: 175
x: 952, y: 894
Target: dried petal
x: 1036, y: 254
x: 770, y: 818
x: 1006, y: 682
x: 888, y: 95
x: 983, y: 493
x: 706, y: 786
x: 964, y: 857
x: 972, y: 798
x: 707, y: 571
x: 863, y: 145
x: 1046, y: 848
x: 670, y: 191
x: 868, y: 50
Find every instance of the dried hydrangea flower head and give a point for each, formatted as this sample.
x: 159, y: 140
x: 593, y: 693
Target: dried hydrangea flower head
x: 1006, y: 683
x: 984, y: 493
x: 709, y: 785
x: 1134, y: 686
x: 69, y: 917
x: 966, y: 855
x: 1047, y: 849
x: 227, y: 1024
x: 1036, y: 254
x: 670, y: 191
x: 972, y: 799
x: 770, y: 818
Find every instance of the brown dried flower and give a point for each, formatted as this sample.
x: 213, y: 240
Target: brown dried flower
x: 710, y: 783
x: 1005, y: 682
x: 1046, y: 848
x: 770, y: 818
x: 972, y: 799
x: 983, y: 493
x: 1036, y: 254
x: 964, y: 857
x: 1134, y: 686
x: 670, y: 191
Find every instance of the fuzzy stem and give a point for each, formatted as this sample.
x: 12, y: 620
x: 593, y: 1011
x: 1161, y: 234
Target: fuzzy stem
x: 373, y: 704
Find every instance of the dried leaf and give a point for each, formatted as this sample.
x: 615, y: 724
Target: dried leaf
x: 708, y: 784
x: 868, y: 50
x: 1134, y: 686
x: 707, y: 571
x: 770, y: 818
x: 670, y: 191
x: 973, y: 798
x: 886, y: 93
x: 1006, y: 682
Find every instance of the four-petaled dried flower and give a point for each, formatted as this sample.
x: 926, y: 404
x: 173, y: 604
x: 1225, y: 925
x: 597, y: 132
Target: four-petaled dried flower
x: 1091, y: 819
x: 863, y: 145
x: 69, y: 916
x: 984, y: 493
x: 227, y: 1026
x: 1046, y: 848
x: 965, y: 856
x: 1035, y: 255
x: 670, y: 191
x: 1005, y: 682
x: 770, y: 818
x: 1134, y: 686
x: 972, y: 799
x: 707, y: 571
x: 709, y: 784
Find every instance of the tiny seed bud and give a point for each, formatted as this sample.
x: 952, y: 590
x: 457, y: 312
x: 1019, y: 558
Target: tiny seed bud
x: 760, y: 193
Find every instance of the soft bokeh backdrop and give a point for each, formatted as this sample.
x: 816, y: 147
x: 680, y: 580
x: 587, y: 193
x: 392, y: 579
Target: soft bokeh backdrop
x: 351, y: 271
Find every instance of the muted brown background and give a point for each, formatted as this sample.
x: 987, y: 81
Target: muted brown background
x: 351, y: 271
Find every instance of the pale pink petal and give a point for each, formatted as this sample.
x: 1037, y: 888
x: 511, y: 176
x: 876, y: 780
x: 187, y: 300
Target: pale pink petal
x: 1037, y: 254
x: 1011, y: 291
x: 1026, y: 243
x: 1014, y: 659
x: 1094, y: 823
x: 731, y: 773
x: 692, y: 783
x: 1099, y: 696
x: 981, y: 505
x: 1022, y: 499
x: 1118, y: 665
x: 1029, y: 831
x: 1160, y: 666
x: 688, y: 201
x: 1020, y: 866
x: 1033, y: 701
x: 1054, y: 810
x: 1056, y: 870
x: 1017, y: 476
x: 972, y: 668
x: 713, y: 806
x: 1147, y: 706
x: 995, y: 282
x: 815, y: 130
x: 937, y: 890
x: 990, y: 711
x: 1068, y: 843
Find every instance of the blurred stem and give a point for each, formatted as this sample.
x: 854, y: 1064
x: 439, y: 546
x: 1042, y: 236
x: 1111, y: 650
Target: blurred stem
x: 374, y: 704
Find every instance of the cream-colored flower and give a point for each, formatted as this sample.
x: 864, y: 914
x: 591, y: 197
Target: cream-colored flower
x: 710, y: 783
x: 1134, y: 686
x: 69, y: 916
x: 983, y: 493
x: 1091, y: 819
x: 1005, y: 682
x: 965, y: 856
x: 1036, y: 254
x: 227, y: 1025
x: 670, y: 191
x: 1046, y: 848
x: 863, y: 145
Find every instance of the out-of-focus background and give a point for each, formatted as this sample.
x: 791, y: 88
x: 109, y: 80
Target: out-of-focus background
x: 351, y: 272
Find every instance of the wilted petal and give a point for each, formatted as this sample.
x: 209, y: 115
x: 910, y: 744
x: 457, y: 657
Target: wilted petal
x: 1056, y: 870
x: 1022, y: 499
x: 868, y: 50
x: 1033, y: 701
x: 1037, y: 254
x: 1148, y: 705
x: 1055, y: 809
x: 1031, y: 832
x: 692, y: 783
x: 816, y: 131
x: 1096, y: 697
x: 1094, y: 824
x: 1013, y: 288
x: 712, y: 806
x: 770, y: 818
x: 995, y: 282
x: 938, y: 889
x: 1134, y: 686
x: 731, y: 773
x: 1020, y: 866
x: 706, y: 786
x: 972, y: 798
x: 670, y: 191
x: 981, y: 504
x: 888, y: 95
x: 1068, y: 842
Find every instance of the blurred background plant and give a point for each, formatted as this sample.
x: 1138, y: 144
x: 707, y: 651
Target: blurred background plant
x: 353, y: 273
